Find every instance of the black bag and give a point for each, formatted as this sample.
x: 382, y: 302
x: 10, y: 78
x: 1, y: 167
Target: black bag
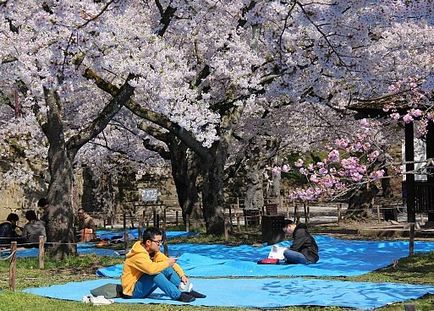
x: 108, y: 291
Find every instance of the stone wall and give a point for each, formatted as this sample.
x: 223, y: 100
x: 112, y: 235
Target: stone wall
x: 13, y: 200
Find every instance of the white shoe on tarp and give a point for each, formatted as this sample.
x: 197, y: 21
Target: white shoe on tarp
x: 86, y: 299
x: 100, y: 301
x: 97, y: 301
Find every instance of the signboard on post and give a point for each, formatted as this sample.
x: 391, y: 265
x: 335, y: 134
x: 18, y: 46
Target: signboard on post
x: 149, y: 195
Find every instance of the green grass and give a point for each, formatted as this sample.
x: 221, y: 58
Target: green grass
x: 418, y: 269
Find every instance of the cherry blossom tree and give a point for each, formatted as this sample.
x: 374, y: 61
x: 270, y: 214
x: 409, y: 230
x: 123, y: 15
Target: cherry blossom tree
x: 196, y: 68
x: 350, y: 170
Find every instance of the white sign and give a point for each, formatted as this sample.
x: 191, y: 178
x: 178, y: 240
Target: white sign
x: 149, y: 195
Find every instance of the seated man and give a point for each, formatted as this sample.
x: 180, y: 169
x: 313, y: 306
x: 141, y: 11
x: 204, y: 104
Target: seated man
x: 85, y: 226
x: 9, y: 231
x: 304, y: 249
x: 146, y: 268
x: 33, y: 229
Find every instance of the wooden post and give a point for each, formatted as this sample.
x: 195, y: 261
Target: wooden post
x: 225, y: 228
x: 13, y: 266
x: 126, y: 241
x: 158, y: 221
x: 378, y: 213
x: 339, y: 213
x: 411, y: 244
x: 164, y: 219
x: 125, y: 221
x: 245, y: 218
x: 165, y: 245
x: 230, y: 213
x: 176, y: 218
x: 41, y: 255
x: 409, y: 170
x: 238, y: 223
x: 139, y: 231
x: 305, y: 212
x: 187, y: 223
x: 295, y: 213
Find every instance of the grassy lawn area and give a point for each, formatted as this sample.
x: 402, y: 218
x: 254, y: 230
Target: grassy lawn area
x: 418, y: 269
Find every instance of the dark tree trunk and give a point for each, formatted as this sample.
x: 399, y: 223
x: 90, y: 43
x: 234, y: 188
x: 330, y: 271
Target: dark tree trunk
x: 261, y: 149
x: 61, y: 154
x: 254, y: 198
x: 385, y: 185
x: 360, y: 202
x: 212, y: 193
x: 185, y: 171
x: 60, y: 225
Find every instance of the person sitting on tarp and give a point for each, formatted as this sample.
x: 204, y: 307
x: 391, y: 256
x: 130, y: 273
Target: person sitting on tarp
x: 304, y: 249
x: 86, y: 226
x: 146, y: 268
x: 33, y: 229
x: 9, y: 230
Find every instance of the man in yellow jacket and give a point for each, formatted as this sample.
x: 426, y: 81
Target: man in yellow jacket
x: 146, y: 268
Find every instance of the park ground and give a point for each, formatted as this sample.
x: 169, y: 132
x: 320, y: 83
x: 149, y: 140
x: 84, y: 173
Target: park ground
x: 418, y: 269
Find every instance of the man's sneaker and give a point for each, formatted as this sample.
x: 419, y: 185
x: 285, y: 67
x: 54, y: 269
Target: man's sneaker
x: 196, y: 294
x: 186, y: 297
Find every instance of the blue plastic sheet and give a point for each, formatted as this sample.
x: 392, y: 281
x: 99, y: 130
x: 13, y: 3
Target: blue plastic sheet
x: 263, y: 293
x: 89, y: 248
x: 337, y: 258
x: 134, y: 234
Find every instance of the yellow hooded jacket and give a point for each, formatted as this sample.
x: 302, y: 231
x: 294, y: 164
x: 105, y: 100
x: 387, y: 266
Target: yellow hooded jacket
x: 138, y: 262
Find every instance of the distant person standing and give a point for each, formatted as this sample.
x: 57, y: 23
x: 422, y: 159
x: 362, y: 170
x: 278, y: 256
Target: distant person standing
x: 33, y: 228
x: 86, y: 226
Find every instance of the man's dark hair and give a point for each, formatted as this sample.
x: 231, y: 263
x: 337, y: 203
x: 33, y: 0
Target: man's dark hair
x: 150, y: 233
x: 31, y: 215
x: 287, y: 222
x: 12, y: 217
x: 42, y: 202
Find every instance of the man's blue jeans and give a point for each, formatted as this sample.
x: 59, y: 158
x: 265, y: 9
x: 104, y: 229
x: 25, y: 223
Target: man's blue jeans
x: 295, y: 257
x: 167, y: 280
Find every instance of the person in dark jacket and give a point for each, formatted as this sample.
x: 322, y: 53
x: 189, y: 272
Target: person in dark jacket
x: 9, y: 229
x: 304, y: 249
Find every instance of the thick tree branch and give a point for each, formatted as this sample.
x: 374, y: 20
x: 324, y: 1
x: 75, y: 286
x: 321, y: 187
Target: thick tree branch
x: 53, y: 129
x: 166, y: 17
x: 154, y: 131
x: 121, y: 96
x: 156, y: 148
x: 185, y: 136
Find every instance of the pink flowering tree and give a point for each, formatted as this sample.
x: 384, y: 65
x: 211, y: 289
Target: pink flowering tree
x: 349, y: 172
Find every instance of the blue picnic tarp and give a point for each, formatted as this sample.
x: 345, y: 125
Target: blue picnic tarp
x: 90, y: 248
x: 134, y: 234
x: 338, y: 257
x: 263, y: 293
